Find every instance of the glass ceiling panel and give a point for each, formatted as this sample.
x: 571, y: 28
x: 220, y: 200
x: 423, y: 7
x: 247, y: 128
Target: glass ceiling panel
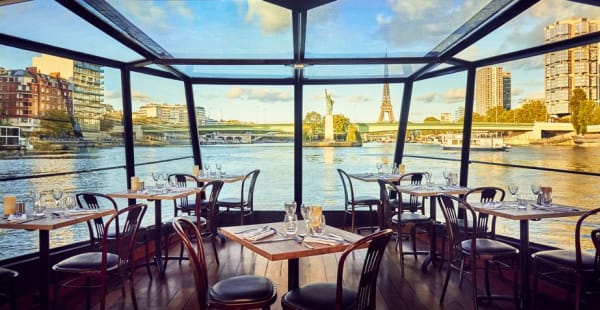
x: 528, y: 29
x: 360, y: 71
x: 358, y: 28
x: 213, y: 29
x: 61, y: 28
x: 237, y: 71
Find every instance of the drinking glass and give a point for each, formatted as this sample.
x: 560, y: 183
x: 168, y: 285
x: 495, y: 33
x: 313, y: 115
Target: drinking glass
x: 290, y: 224
x: 446, y: 174
x: 157, y: 177
x: 513, y: 189
x: 379, y: 166
x: 317, y: 224
x: 39, y: 207
x: 522, y: 201
x: 535, y: 189
x: 69, y: 203
x: 206, y: 171
x: 57, y: 195
x: 428, y: 177
x: 289, y: 207
x: 219, y: 166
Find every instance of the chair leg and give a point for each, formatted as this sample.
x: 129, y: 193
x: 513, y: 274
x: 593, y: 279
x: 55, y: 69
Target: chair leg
x: 487, y: 279
x: 352, y: 219
x: 413, y: 235
x: 474, y: 284
x: 446, y: 280
x: 443, y: 254
x: 344, y: 221
x: 132, y: 290
x: 214, y: 245
x: 461, y: 272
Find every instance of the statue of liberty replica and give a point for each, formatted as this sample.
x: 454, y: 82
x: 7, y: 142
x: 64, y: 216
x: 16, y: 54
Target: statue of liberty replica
x: 329, y: 118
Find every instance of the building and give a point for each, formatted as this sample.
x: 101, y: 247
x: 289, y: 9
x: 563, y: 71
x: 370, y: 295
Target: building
x: 88, y: 87
x: 506, y: 89
x: 489, y: 89
x: 201, y: 116
x: 459, y: 114
x: 446, y: 117
x: 568, y: 69
x: 175, y: 114
x: 27, y: 95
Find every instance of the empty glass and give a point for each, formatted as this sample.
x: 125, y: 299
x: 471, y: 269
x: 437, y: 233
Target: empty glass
x: 290, y: 208
x: 379, y: 165
x: 57, y: 195
x: 513, y: 189
x: 290, y: 224
x: 69, y: 203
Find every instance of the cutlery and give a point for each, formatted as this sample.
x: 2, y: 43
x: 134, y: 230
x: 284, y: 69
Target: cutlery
x: 272, y: 240
x: 301, y: 241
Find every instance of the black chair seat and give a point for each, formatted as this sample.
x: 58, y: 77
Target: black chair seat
x: 489, y: 247
x: 566, y: 258
x: 411, y: 218
x: 366, y: 200
x: 319, y: 296
x: 230, y: 202
x: 193, y: 219
x: 91, y: 262
x: 242, y: 289
x: 7, y: 274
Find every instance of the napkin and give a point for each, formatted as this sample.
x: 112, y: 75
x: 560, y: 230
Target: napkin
x: 492, y: 204
x: 16, y: 218
x: 254, y: 236
x: 315, y: 239
x: 80, y: 212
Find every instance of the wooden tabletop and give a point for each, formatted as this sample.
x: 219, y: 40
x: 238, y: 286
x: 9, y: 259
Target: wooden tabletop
x: 287, y: 249
x: 157, y: 194
x: 434, y: 190
x: 373, y: 177
x: 49, y: 222
x: 510, y: 210
x: 226, y: 179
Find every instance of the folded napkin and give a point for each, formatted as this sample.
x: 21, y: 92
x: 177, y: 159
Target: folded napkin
x: 17, y: 218
x: 492, y: 204
x: 322, y: 240
x: 553, y: 208
x: 80, y: 212
x: 259, y: 234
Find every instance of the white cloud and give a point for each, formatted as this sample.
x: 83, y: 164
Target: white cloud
x: 140, y: 97
x: 272, y: 18
x: 426, y: 98
x: 264, y: 95
x: 383, y: 20
x: 454, y: 95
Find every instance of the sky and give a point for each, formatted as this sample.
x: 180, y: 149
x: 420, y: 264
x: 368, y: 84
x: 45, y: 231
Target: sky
x: 255, y: 29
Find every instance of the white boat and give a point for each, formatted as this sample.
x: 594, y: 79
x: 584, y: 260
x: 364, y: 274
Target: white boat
x: 479, y: 142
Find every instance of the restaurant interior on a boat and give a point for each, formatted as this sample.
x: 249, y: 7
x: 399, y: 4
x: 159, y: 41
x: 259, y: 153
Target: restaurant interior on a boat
x: 253, y: 258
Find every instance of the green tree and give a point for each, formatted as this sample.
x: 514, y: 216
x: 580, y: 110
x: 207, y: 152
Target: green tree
x: 56, y: 123
x: 106, y: 124
x: 579, y: 107
x: 352, y: 135
x: 312, y: 126
x: 340, y: 124
x: 595, y: 116
x: 534, y: 111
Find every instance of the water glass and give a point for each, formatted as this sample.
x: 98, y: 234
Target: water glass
x: 290, y: 207
x: 453, y: 178
x: 522, y: 201
x: 70, y: 203
x: 317, y: 224
x: 38, y: 208
x: 290, y: 224
x: 379, y: 165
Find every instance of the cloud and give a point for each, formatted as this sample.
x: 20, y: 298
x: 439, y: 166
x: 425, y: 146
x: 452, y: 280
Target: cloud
x: 182, y: 9
x: 141, y: 97
x: 454, y: 95
x: 108, y: 94
x: 383, y: 20
x: 259, y: 94
x: 515, y: 92
x: 426, y: 98
x: 359, y: 98
x: 272, y: 18
x: 531, y: 63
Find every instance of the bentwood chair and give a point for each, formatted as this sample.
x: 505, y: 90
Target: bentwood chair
x: 239, y: 292
x: 7, y: 280
x: 351, y: 201
x: 337, y: 296
x: 95, y: 201
x: 412, y: 204
x: 212, y: 190
x: 99, y: 265
x: 576, y: 270
x: 184, y: 204
x: 400, y: 220
x: 467, y: 247
x: 245, y: 202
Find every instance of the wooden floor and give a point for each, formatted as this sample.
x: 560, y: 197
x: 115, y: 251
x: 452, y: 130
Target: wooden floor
x: 416, y: 290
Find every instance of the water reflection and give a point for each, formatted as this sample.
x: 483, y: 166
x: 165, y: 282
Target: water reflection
x: 321, y: 183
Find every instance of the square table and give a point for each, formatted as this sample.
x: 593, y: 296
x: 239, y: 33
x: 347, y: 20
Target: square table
x: 290, y: 249
x: 509, y: 210
x: 157, y: 195
x: 44, y: 225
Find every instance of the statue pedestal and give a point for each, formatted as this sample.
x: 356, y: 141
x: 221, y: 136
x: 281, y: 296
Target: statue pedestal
x: 329, y: 128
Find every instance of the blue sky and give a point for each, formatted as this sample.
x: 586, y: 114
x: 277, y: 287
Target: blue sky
x: 252, y: 28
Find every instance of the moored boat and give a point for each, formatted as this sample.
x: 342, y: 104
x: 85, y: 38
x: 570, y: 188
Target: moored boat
x: 479, y: 142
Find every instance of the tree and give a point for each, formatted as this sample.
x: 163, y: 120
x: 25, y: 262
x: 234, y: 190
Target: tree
x: 580, y: 111
x: 595, y: 116
x: 532, y: 111
x: 312, y: 125
x: 340, y: 124
x: 56, y: 123
x: 431, y: 119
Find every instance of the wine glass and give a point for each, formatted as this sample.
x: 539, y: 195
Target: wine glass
x: 218, y: 166
x: 513, y: 189
x: 156, y: 176
x: 69, y: 203
x: 535, y: 189
x: 379, y: 165
x: 57, y: 195
x: 206, y: 168
x: 446, y: 174
x: 428, y: 177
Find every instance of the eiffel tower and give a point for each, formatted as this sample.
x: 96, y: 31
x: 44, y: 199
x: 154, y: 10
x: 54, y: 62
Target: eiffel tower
x: 386, y: 104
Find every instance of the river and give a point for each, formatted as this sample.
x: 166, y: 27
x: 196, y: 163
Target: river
x: 321, y: 183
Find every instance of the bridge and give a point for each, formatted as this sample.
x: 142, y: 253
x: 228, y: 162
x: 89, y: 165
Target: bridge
x: 245, y: 133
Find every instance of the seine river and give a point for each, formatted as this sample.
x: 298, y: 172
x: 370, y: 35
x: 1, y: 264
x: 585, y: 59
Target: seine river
x: 321, y: 182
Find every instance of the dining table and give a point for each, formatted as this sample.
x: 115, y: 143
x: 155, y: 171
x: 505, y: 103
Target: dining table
x: 157, y: 195
x: 291, y: 248
x: 53, y: 219
x: 532, y: 211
